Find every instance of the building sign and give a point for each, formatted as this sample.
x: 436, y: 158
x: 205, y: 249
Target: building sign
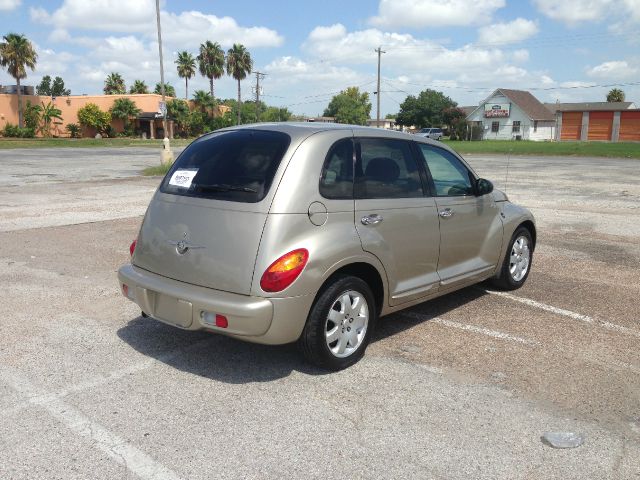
x: 496, y: 110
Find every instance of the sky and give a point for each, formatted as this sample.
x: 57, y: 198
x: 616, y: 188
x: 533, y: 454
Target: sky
x: 560, y: 50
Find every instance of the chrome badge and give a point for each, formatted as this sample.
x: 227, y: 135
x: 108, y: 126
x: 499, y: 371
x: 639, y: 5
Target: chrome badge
x: 183, y: 246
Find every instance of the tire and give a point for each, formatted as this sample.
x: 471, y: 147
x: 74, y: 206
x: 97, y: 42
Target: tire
x: 517, y: 261
x: 338, y: 329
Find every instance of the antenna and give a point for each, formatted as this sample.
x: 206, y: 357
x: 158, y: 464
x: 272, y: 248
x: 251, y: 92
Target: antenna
x: 506, y: 178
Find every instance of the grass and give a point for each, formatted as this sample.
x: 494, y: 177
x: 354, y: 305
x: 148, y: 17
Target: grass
x: 9, y: 143
x: 524, y: 147
x: 158, y: 170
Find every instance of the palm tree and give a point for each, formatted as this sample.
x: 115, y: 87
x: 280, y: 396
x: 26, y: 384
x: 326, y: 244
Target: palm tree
x: 203, y: 100
x: 17, y: 53
x: 239, y: 65
x: 186, y: 69
x: 124, y: 108
x: 211, y: 62
x: 139, y: 87
x: 615, y: 95
x: 169, y: 91
x: 49, y: 113
x: 114, y: 84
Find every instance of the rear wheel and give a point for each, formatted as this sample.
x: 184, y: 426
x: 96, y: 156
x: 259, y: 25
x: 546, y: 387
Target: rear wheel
x: 517, y: 262
x: 340, y: 324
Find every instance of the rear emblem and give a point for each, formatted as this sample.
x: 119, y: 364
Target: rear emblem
x: 182, y: 246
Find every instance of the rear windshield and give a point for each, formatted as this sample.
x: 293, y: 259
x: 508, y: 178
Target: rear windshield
x: 238, y: 165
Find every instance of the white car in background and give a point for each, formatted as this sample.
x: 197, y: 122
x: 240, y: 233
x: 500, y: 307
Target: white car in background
x: 434, y: 133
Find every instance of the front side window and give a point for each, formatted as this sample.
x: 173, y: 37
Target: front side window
x: 386, y: 168
x: 495, y: 127
x: 516, y: 126
x: 237, y: 165
x: 336, y: 181
x: 451, y: 177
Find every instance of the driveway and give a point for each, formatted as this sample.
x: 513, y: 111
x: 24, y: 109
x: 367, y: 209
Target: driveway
x: 461, y: 387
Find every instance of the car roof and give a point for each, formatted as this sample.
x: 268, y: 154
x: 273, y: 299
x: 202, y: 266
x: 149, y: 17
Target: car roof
x: 298, y: 131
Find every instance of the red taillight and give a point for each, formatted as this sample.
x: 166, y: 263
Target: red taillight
x: 221, y: 321
x: 284, y: 270
x: 132, y: 247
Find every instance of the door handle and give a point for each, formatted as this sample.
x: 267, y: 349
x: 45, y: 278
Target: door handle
x: 372, y: 219
x: 446, y: 213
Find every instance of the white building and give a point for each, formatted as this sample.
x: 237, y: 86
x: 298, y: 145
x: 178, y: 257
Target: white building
x: 513, y: 115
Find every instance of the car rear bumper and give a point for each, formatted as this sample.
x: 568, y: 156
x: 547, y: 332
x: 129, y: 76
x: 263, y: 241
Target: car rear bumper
x: 190, y: 307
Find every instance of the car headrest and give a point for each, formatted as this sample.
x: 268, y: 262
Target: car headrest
x: 382, y: 169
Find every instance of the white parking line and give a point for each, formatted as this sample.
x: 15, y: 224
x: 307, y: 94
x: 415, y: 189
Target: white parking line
x: 566, y: 313
x: 470, y: 328
x: 110, y: 377
x: 133, y: 459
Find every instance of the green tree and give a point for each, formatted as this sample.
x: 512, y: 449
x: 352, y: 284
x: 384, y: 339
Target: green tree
x: 456, y: 120
x: 615, y: 95
x: 169, y: 91
x: 275, y: 114
x: 350, y: 106
x: 57, y: 88
x: 17, y: 54
x: 44, y: 87
x: 178, y: 111
x: 186, y: 66
x: 49, y: 113
x: 139, y: 87
x: 114, y: 84
x: 74, y: 130
x: 124, y: 109
x: 425, y: 110
x: 203, y: 100
x: 32, y: 115
x: 91, y: 116
x: 211, y: 62
x: 239, y: 65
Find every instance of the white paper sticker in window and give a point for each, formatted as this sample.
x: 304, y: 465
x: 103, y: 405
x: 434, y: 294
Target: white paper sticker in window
x: 182, y: 178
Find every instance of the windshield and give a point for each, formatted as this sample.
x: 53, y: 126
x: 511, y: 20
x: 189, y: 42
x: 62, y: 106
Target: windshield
x: 236, y: 165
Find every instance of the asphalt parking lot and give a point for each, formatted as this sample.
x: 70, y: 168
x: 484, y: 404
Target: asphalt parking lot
x: 462, y: 387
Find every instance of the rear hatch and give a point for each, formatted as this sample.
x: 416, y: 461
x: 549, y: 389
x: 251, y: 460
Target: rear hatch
x: 204, y: 225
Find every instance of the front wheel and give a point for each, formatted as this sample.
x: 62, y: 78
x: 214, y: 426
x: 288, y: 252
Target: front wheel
x: 517, y: 262
x: 340, y: 324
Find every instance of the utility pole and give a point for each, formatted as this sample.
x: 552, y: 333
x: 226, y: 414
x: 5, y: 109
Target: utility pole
x: 258, y: 76
x: 167, y: 155
x: 380, y: 52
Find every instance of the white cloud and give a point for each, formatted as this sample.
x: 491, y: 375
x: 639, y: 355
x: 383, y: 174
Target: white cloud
x: 9, y: 4
x: 438, y: 13
x: 334, y: 44
x: 614, y: 70
x: 520, y: 56
x: 186, y: 28
x: 102, y: 15
x: 516, y: 31
x: 191, y: 28
x: 573, y: 12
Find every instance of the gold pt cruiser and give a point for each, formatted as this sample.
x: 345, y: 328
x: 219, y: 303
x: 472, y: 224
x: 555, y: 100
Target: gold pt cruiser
x: 308, y: 233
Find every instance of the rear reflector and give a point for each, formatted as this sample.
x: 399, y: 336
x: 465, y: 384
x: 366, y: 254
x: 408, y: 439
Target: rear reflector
x: 221, y: 321
x: 125, y: 290
x: 132, y: 247
x: 214, y: 319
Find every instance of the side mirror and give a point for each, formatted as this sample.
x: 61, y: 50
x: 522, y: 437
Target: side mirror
x: 483, y: 187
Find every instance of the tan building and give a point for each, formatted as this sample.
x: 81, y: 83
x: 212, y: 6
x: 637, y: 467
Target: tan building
x: 149, y: 121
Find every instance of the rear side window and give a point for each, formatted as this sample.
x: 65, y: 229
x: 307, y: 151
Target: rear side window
x: 238, y: 166
x: 337, y: 174
x: 386, y: 168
